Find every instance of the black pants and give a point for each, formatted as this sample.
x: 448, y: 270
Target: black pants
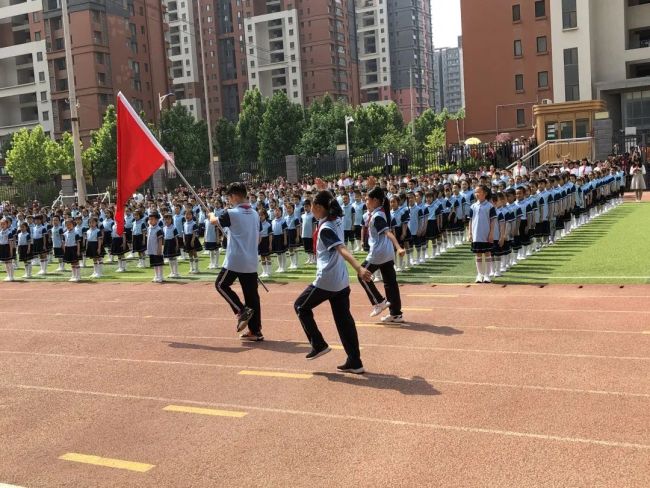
x: 388, y: 169
x: 340, y: 303
x: 390, y: 286
x: 248, y: 282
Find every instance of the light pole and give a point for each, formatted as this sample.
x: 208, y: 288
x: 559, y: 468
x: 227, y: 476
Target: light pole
x: 348, y: 121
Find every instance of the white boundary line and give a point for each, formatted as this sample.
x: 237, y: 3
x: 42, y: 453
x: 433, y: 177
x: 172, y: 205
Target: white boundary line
x: 297, y: 370
x: 374, y: 420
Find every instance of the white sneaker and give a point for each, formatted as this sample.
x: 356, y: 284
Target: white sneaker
x: 393, y: 319
x: 264, y: 275
x: 376, y: 279
x: 293, y: 266
x: 486, y: 279
x: 129, y: 256
x: 120, y: 270
x: 398, y: 269
x: 479, y: 279
x: 140, y: 265
x: 74, y: 280
x: 8, y: 278
x: 94, y: 276
x: 379, y: 308
x: 280, y: 270
x: 497, y: 274
x: 173, y: 275
x: 421, y: 261
x: 41, y: 273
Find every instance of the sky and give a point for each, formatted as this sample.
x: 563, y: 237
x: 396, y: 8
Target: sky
x: 446, y: 22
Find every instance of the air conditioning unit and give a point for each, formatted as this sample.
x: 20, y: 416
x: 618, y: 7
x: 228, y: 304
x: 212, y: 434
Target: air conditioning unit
x: 547, y: 101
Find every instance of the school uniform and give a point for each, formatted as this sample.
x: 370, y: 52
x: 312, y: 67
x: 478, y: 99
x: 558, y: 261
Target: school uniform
x: 170, y: 242
x: 359, y: 210
x: 331, y: 284
x: 117, y: 242
x: 70, y: 242
x: 482, y: 215
x: 5, y: 248
x: 413, y: 226
x: 264, y: 247
x: 38, y: 239
x: 499, y: 250
x: 24, y: 243
x: 107, y: 229
x: 242, y: 224
x: 292, y: 222
x: 210, y: 241
x: 178, y: 221
x: 191, y: 238
x: 307, y: 231
x: 381, y: 257
x: 153, y: 234
x: 278, y: 230
x: 348, y: 222
x: 56, y: 233
x: 137, y: 235
x: 523, y: 211
x: 93, y: 249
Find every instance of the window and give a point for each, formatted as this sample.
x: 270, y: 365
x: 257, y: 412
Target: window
x: 37, y: 35
x: 519, y: 83
x: 582, y: 127
x: 542, y: 45
x: 571, y: 75
x: 46, y: 115
x: 43, y: 96
x: 39, y: 56
x: 569, y: 14
x: 516, y: 13
x: 542, y: 79
x: 540, y: 8
x: 521, y: 117
x: 101, y: 79
x: 551, y: 131
x: 566, y: 130
x: 41, y: 76
x: 519, y: 50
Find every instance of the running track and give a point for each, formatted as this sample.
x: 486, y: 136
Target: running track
x: 516, y: 386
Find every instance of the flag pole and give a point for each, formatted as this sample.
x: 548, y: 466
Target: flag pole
x: 205, y: 207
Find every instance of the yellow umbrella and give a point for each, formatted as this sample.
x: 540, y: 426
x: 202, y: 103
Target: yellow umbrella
x: 472, y: 141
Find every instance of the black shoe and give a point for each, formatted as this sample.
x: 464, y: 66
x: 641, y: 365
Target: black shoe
x: 243, y: 318
x: 318, y: 353
x: 350, y: 367
x: 250, y: 337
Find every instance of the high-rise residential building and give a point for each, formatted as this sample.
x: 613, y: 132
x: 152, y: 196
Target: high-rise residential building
x: 507, y: 65
x: 410, y: 44
x: 448, y: 78
x: 601, y: 50
x: 115, y: 46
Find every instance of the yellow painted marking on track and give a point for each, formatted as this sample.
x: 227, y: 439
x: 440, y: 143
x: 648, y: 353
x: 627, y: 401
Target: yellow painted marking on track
x: 491, y: 327
x: 414, y: 309
x: 4, y: 485
x: 205, y: 411
x: 431, y: 295
x: 148, y: 316
x: 276, y: 374
x: 107, y: 462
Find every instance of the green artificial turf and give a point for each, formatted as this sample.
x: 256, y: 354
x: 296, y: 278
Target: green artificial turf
x: 613, y: 248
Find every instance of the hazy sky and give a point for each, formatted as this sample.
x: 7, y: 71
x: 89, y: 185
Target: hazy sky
x: 446, y: 22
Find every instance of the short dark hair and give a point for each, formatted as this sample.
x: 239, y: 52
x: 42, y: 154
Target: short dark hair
x: 236, y: 189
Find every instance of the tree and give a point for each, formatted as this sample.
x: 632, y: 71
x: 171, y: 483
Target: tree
x: 372, y: 122
x: 225, y: 140
x: 185, y: 137
x: 248, y: 126
x: 324, y: 127
x: 27, y: 158
x: 101, y: 155
x: 60, y: 156
x: 281, y: 127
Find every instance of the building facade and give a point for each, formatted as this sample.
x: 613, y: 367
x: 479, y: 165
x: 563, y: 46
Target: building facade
x: 448, y: 79
x: 602, y: 51
x: 507, y: 65
x: 115, y: 47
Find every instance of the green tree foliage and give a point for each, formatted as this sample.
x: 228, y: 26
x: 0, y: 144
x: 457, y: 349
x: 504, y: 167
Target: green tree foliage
x: 249, y: 124
x: 185, y: 137
x: 102, y: 152
x: 225, y: 140
x: 324, y: 128
x: 282, y: 125
x: 27, y: 159
x: 374, y: 122
x: 60, y: 156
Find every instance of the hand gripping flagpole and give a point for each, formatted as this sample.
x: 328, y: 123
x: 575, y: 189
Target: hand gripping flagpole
x: 205, y: 207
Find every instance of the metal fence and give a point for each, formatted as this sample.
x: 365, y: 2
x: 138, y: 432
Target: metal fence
x: 25, y: 193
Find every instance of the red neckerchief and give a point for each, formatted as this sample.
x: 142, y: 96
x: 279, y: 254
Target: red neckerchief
x: 315, y: 234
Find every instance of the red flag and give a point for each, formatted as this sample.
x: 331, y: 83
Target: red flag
x: 139, y: 155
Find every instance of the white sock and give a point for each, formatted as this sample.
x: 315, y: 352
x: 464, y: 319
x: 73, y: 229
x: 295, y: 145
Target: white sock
x: 479, y: 266
x: 489, y: 269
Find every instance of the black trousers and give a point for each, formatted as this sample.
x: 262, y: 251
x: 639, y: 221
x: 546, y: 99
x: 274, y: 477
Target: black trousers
x: 390, y: 286
x: 248, y: 282
x: 340, y: 304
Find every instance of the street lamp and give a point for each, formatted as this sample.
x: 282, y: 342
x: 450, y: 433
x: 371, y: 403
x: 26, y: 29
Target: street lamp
x: 348, y: 121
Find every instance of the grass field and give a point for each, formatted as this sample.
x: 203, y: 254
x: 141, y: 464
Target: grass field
x: 611, y: 249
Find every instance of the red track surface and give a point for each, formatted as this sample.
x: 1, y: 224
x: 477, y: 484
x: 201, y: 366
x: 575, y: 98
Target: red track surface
x: 518, y: 386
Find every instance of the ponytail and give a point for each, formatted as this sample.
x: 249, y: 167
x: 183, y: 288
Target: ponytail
x: 326, y: 200
x: 378, y: 194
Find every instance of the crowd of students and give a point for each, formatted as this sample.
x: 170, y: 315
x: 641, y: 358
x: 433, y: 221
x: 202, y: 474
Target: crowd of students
x: 428, y: 215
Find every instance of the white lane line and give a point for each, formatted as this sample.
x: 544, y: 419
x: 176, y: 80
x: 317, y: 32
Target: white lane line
x: 4, y: 485
x: 356, y: 418
x: 377, y: 375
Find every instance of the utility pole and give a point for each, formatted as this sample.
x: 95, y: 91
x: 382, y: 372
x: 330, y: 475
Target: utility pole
x: 214, y: 177
x: 348, y: 121
x: 74, y: 115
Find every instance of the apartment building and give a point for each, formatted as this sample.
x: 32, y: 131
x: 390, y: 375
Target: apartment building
x: 448, y: 78
x: 601, y: 50
x: 115, y: 46
x: 507, y: 64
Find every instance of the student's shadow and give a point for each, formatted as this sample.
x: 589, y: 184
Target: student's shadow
x: 276, y: 346
x: 415, y: 386
x: 444, y: 330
